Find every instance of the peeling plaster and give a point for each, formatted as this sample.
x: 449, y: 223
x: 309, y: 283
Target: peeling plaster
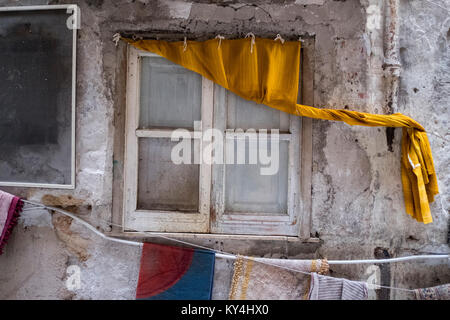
x: 357, y: 195
x: 179, y: 9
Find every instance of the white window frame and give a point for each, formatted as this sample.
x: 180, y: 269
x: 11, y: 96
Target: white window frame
x: 75, y: 16
x: 304, y: 150
x: 157, y: 220
x: 268, y: 224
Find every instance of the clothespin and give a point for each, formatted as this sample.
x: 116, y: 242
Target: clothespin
x: 279, y: 38
x: 301, y: 40
x: 220, y: 40
x: 116, y: 38
x: 185, y: 44
x: 324, y: 267
x: 252, y: 43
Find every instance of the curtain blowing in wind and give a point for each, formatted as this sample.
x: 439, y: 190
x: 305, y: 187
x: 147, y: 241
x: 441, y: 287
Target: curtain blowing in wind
x: 267, y: 72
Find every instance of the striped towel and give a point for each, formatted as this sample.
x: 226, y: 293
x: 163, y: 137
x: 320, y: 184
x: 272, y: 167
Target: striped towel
x: 10, y: 208
x: 328, y: 288
x: 273, y: 279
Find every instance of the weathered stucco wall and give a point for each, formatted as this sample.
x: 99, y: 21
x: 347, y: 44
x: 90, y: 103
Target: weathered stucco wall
x: 358, y: 209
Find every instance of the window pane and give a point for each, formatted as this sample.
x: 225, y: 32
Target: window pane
x: 171, y: 95
x: 36, y: 50
x: 163, y: 185
x: 248, y: 191
x: 245, y: 114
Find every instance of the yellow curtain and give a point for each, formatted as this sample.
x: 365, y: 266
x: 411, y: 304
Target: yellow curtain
x: 267, y: 72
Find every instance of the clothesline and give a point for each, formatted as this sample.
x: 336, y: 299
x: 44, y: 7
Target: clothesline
x: 225, y: 255
x: 218, y: 253
x: 82, y: 222
x: 135, y: 243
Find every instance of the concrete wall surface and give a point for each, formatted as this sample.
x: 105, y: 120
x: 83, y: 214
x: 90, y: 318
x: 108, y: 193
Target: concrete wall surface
x: 363, y: 49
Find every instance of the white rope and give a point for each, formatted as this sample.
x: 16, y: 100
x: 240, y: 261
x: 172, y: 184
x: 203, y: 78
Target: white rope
x: 252, y: 43
x: 438, y: 135
x: 220, y: 40
x: 391, y: 260
x: 373, y: 261
x: 278, y: 37
x: 84, y: 223
x: 225, y: 255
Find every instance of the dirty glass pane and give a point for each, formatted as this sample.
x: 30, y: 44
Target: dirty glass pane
x: 163, y: 185
x: 245, y: 114
x: 248, y: 191
x: 171, y: 95
x: 36, y: 49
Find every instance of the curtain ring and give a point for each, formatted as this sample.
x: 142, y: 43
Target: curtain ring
x: 220, y: 40
x: 116, y: 38
x: 185, y: 44
x: 252, y: 43
x: 279, y: 38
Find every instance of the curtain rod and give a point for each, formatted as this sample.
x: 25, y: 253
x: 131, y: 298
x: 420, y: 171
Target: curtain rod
x: 230, y: 256
x: 179, y: 36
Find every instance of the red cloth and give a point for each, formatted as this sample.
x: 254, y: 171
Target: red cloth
x: 161, y: 267
x: 9, y: 214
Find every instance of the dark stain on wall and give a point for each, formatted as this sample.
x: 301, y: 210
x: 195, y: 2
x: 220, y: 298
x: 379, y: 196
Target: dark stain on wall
x: 390, y: 135
x: 385, y: 273
x: 95, y: 3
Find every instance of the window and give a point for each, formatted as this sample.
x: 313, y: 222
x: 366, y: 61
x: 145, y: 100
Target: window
x: 37, y: 96
x: 160, y: 195
x: 213, y: 197
x: 245, y: 201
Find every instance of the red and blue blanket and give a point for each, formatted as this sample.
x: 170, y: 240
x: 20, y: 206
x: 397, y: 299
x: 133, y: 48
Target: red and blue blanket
x: 172, y: 273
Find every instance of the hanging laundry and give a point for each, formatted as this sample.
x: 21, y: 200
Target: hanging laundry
x: 172, y: 273
x: 328, y: 288
x: 270, y: 279
x: 10, y: 208
x: 434, y: 293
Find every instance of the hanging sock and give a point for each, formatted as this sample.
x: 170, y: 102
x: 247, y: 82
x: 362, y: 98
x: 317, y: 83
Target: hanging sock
x: 173, y: 273
x: 328, y: 288
x: 10, y: 208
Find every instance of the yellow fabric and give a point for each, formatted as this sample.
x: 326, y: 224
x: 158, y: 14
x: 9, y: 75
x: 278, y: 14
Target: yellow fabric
x: 267, y: 73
